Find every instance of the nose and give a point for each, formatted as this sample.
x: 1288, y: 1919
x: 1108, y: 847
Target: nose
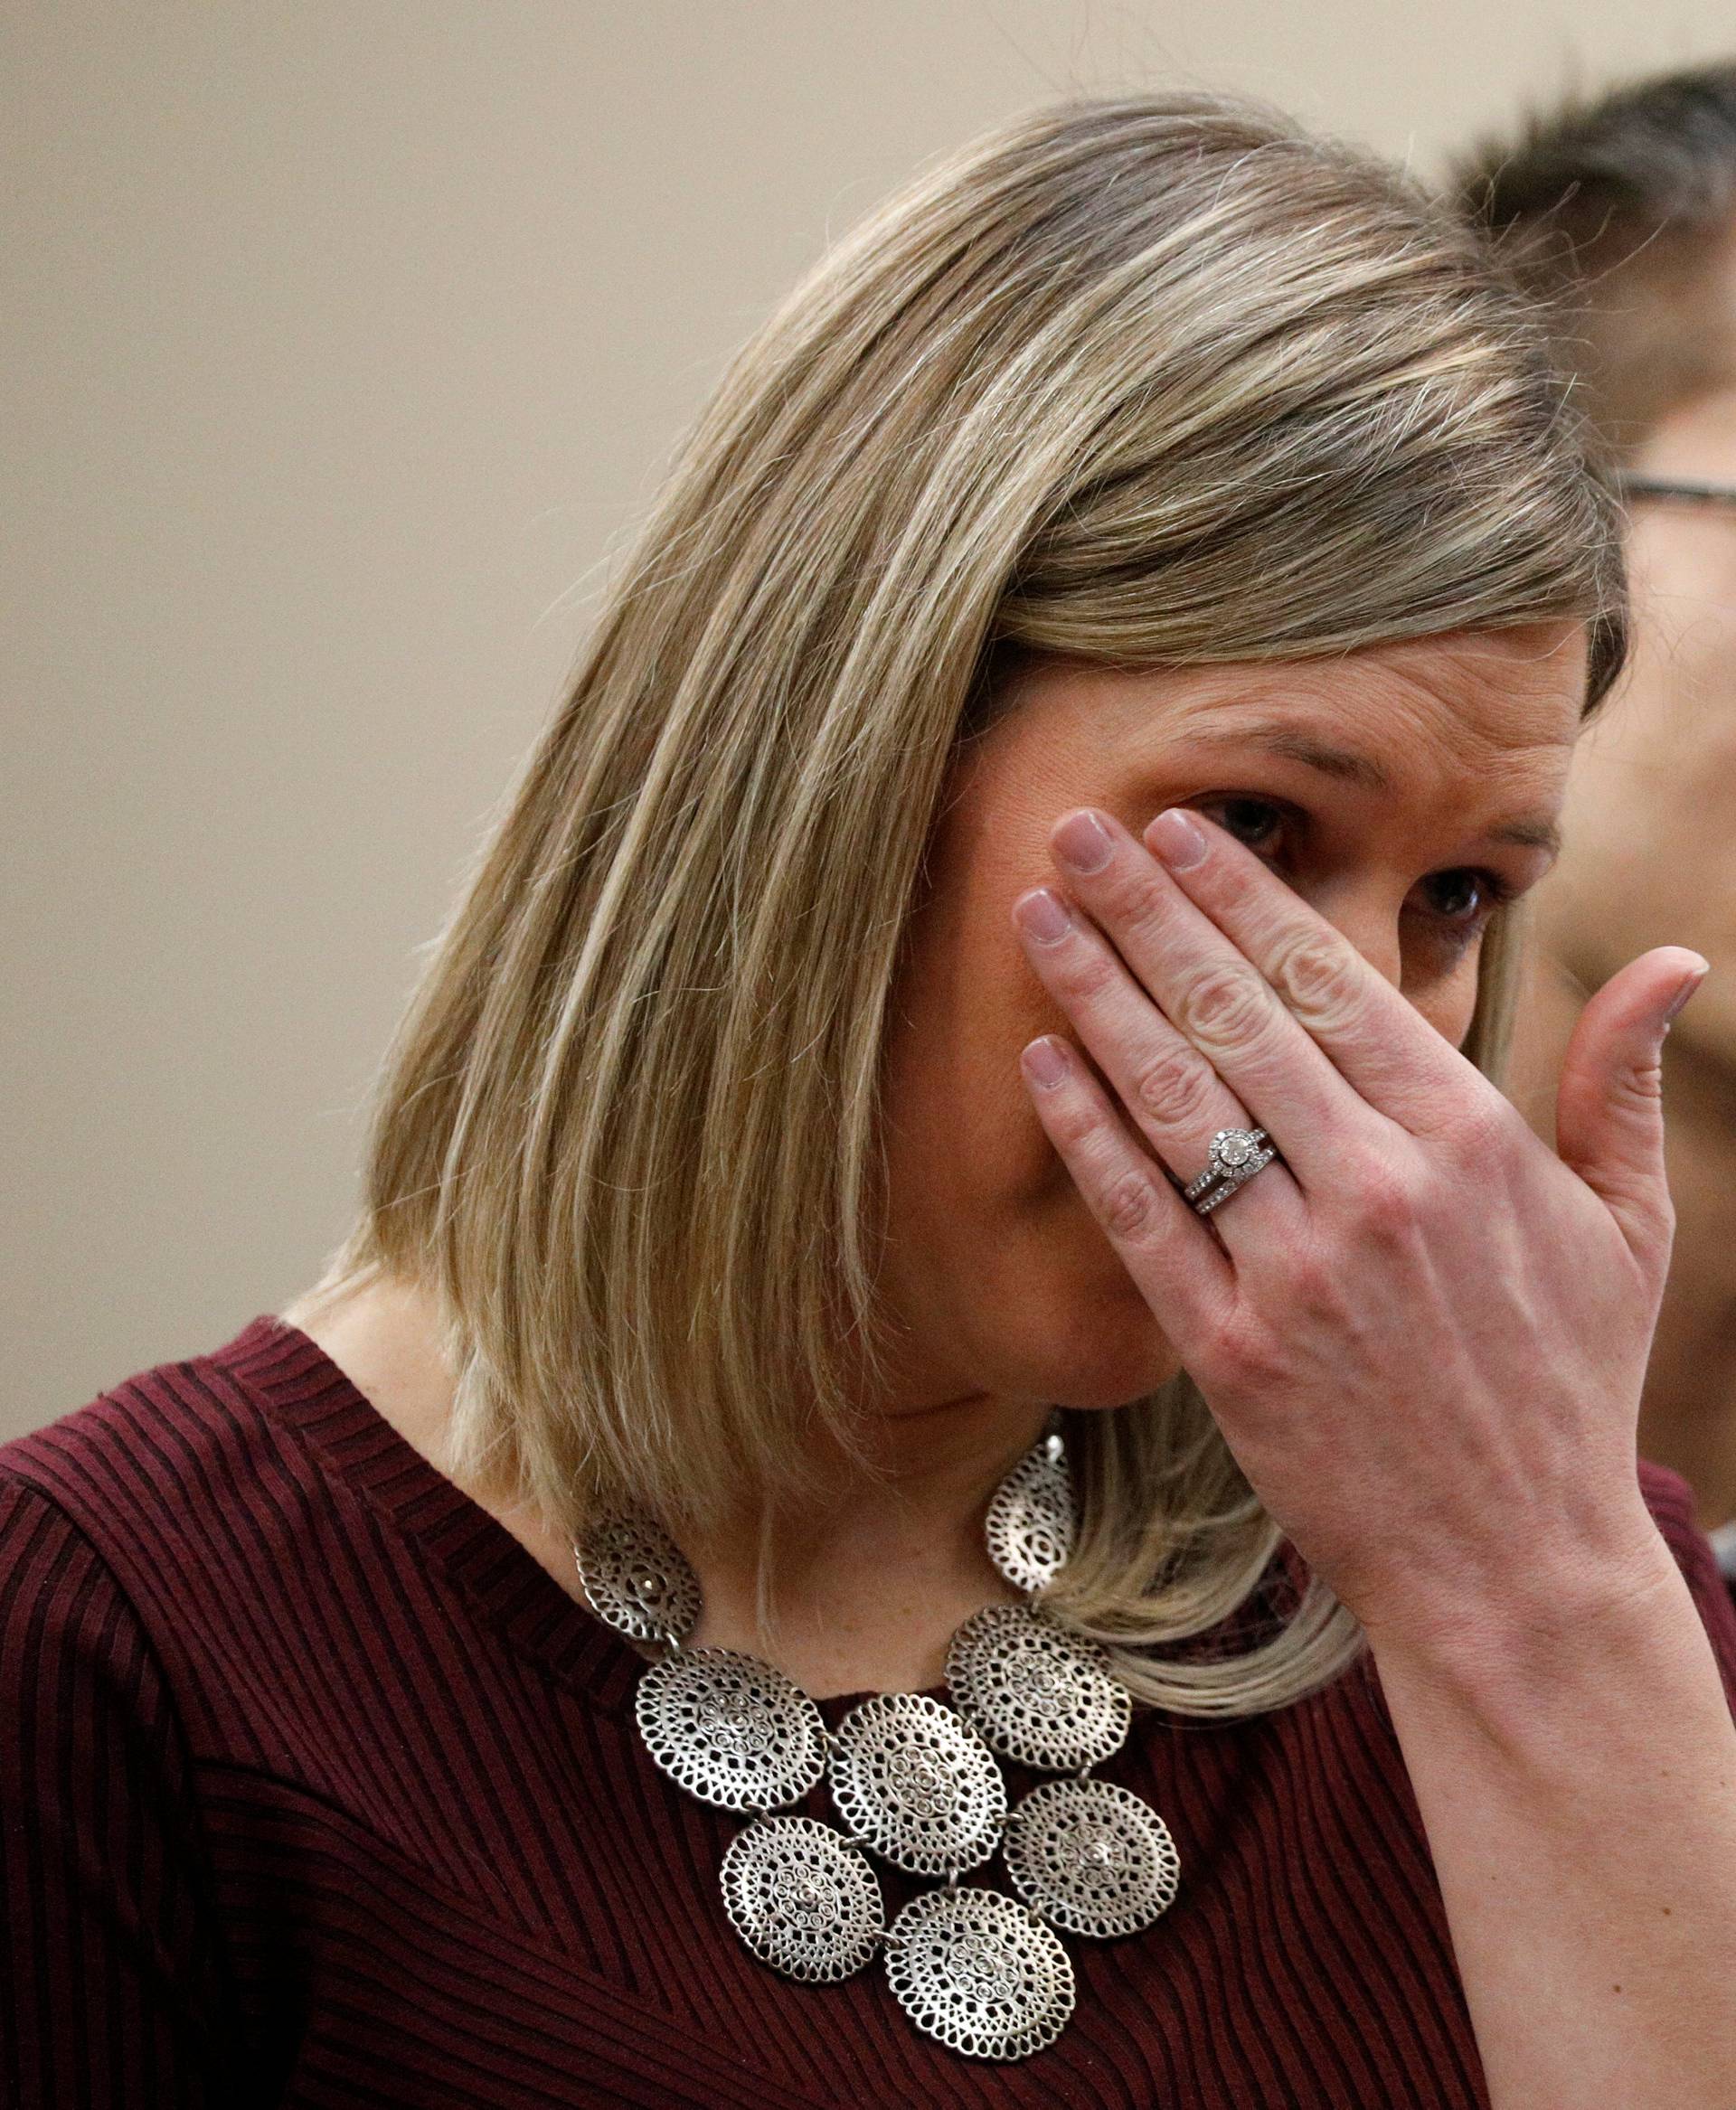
x: 1368, y: 916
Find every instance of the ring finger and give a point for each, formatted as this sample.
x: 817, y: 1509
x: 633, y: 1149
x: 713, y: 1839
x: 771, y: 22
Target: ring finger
x: 1175, y: 1099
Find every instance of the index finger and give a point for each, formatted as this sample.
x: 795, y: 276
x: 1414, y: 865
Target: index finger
x: 1375, y: 1036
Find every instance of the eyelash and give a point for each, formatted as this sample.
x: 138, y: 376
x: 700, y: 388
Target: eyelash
x: 1493, y: 889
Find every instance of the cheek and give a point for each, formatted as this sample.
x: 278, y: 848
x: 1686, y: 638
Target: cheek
x: 995, y: 1251
x: 1450, y: 1003
x: 997, y: 1268
x: 964, y: 1143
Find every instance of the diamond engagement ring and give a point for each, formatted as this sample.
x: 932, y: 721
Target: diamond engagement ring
x: 1236, y: 1156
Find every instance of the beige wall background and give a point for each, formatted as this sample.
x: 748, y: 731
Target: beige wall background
x: 343, y: 344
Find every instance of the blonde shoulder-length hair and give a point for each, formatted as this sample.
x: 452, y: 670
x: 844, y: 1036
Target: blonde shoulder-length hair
x: 1139, y: 380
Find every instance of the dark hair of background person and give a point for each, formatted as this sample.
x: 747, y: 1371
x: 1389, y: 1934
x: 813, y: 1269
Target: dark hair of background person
x: 1615, y: 212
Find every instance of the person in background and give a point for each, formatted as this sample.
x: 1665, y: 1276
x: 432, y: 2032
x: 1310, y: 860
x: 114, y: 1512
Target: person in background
x: 1620, y: 214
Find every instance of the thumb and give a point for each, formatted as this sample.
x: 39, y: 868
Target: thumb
x: 1610, y: 1104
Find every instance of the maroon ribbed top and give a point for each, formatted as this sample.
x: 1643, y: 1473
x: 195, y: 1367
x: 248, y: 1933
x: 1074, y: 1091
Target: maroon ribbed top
x: 316, y: 1788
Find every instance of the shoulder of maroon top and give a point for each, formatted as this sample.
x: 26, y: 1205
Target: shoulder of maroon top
x: 1665, y: 1489
x: 132, y: 1467
x: 1670, y: 1499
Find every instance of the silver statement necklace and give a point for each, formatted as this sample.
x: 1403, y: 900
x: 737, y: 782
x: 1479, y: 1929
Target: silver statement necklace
x: 912, y: 1781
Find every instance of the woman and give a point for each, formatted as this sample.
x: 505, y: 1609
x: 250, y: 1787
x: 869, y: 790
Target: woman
x: 1018, y: 906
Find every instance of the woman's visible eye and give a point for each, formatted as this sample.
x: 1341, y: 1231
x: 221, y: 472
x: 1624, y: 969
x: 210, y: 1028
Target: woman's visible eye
x: 1457, y: 903
x: 1465, y: 896
x: 1256, y: 821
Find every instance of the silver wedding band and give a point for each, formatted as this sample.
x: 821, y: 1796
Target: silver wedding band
x: 1236, y: 1156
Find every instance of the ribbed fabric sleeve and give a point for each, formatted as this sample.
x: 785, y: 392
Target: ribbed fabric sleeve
x: 316, y: 1790
x: 113, y: 1978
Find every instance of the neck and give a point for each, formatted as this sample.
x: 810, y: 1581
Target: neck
x: 869, y: 1584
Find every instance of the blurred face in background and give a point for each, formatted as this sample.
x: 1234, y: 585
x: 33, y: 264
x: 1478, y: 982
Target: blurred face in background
x: 1651, y: 806
x: 1651, y: 811
x: 1650, y: 859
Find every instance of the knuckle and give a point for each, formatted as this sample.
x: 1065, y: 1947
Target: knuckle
x: 1224, y: 1005
x: 1320, y: 979
x: 1074, y: 1122
x: 1128, y: 1207
x: 1315, y: 1283
x: 1639, y: 1087
x: 1387, y: 1201
x: 1483, y: 1129
x: 1141, y: 909
x: 1246, y: 1357
x: 1091, y: 975
x: 1173, y: 1089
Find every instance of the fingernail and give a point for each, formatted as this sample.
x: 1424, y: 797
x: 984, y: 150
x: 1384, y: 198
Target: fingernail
x: 1687, y: 990
x: 1174, y: 838
x: 1083, y: 842
x: 1045, y: 1063
x: 1042, y: 916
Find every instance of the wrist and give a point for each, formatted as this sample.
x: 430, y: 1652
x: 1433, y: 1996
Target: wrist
x: 1525, y: 1624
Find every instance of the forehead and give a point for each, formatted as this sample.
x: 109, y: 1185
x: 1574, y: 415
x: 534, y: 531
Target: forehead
x: 1501, y: 703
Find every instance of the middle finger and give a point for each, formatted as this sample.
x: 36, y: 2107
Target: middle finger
x: 1175, y: 1099
x: 1215, y: 996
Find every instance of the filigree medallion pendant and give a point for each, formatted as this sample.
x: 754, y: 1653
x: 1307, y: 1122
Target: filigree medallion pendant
x: 980, y: 1972
x: 913, y: 1782
x: 803, y: 1897
x: 917, y: 1784
x: 730, y: 1728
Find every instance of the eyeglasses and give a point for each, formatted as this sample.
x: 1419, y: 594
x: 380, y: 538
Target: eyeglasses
x: 1682, y: 492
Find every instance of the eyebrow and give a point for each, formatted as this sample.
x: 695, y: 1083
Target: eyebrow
x: 1364, y: 771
